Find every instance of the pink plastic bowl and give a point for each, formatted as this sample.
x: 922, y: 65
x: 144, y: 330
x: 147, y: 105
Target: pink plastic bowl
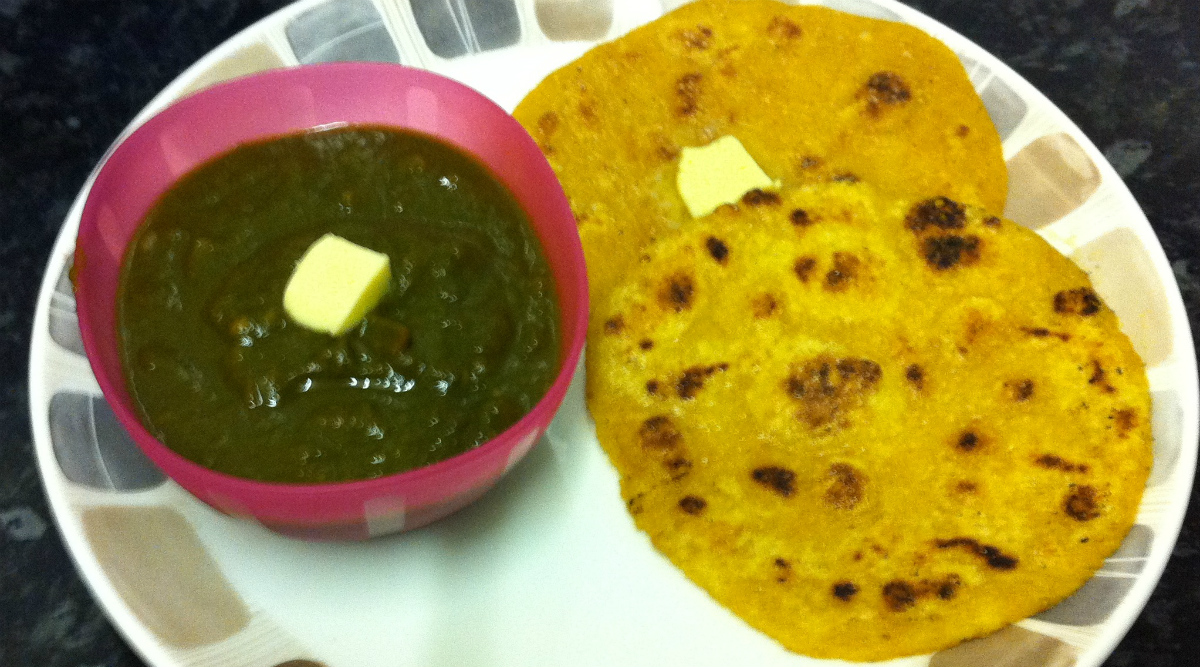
x: 286, y: 101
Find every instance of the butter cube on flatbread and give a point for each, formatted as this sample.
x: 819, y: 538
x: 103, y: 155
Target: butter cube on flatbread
x: 335, y: 284
x: 716, y: 174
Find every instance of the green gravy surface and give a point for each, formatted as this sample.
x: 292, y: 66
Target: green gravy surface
x: 465, y: 342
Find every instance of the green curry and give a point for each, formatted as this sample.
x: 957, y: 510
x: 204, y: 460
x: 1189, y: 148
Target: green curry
x: 464, y: 343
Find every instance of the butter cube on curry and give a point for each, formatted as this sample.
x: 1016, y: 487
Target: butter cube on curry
x: 335, y: 284
x: 716, y: 174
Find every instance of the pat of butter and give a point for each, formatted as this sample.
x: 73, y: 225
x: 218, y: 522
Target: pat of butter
x: 716, y: 174
x: 335, y: 284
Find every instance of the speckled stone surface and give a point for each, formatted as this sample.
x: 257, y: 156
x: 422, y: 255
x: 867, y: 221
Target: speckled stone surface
x: 73, y: 73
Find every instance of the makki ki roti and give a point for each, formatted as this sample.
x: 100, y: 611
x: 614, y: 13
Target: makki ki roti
x: 870, y: 429
x: 814, y: 94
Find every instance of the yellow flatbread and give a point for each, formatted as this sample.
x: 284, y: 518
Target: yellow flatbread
x: 870, y: 429
x: 815, y: 95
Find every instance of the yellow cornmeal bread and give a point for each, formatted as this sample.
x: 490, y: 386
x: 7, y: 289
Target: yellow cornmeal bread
x: 870, y: 428
x: 815, y: 95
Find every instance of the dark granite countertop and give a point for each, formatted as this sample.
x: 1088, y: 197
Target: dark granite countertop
x: 73, y: 74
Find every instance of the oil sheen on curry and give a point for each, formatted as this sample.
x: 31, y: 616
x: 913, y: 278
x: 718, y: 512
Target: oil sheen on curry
x: 462, y: 345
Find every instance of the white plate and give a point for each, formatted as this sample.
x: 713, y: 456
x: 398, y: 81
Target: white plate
x: 548, y: 568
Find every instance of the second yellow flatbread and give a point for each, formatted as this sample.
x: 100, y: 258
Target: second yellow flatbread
x: 870, y: 428
x: 814, y: 94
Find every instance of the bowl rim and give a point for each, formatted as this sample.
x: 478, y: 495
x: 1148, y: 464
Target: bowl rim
x: 573, y: 326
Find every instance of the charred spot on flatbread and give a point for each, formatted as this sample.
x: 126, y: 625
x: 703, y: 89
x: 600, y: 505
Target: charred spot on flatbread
x: 844, y: 590
x: 941, y: 212
x: 846, y: 487
x: 696, y: 39
x: 844, y: 273
x: 915, y: 375
x: 939, y: 224
x: 1082, y: 503
x: 717, y: 249
x: 663, y: 147
x: 764, y: 305
x: 803, y: 267
x: 759, y: 197
x: 1080, y: 301
x: 810, y: 162
x: 693, y: 505
x: 883, y: 90
x: 687, y: 93
x: 1125, y: 420
x: 782, y: 30
x: 783, y: 570
x: 947, y: 588
x: 1043, y: 332
x: 659, y: 433
x: 636, y: 504
x: 947, y: 252
x: 969, y: 441
x: 776, y: 478
x: 692, y: 380
x: 614, y: 325
x: 547, y: 123
x: 993, y: 556
x: 899, y: 595
x: 677, y: 292
x: 827, y: 388
x: 678, y: 467
x: 587, y: 111
x: 1019, y: 390
x: 1099, y: 379
x: 1055, y: 462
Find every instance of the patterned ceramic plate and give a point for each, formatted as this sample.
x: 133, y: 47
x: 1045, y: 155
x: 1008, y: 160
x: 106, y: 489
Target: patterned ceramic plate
x: 548, y: 568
